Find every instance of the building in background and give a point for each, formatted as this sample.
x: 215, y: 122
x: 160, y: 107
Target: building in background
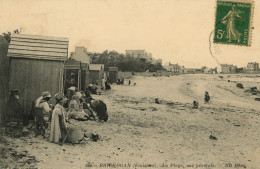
x: 81, y: 55
x: 142, y: 54
x: 226, y: 68
x: 252, y: 67
x: 148, y: 57
x: 192, y: 70
x: 136, y: 53
x: 175, y: 68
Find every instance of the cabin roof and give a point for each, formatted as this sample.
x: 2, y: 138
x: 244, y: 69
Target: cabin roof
x: 113, y: 69
x: 96, y: 67
x: 38, y: 47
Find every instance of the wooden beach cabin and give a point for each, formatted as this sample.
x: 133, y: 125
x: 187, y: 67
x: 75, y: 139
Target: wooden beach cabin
x: 76, y: 74
x: 4, y: 77
x: 85, y: 76
x: 37, y: 65
x: 113, y: 74
x: 96, y: 73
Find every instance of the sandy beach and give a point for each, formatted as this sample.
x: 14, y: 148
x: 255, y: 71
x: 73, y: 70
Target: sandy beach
x: 142, y: 134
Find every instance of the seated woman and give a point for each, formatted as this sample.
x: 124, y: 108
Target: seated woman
x: 42, y: 102
x: 75, y: 109
x: 61, y: 129
x: 100, y: 108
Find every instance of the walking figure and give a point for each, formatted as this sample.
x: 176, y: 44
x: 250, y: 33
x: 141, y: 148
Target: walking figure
x: 207, y: 97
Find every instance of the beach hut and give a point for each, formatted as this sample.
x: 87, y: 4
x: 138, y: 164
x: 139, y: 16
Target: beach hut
x: 113, y: 74
x: 4, y: 77
x: 37, y: 65
x: 96, y: 73
x: 85, y: 76
x: 76, y: 74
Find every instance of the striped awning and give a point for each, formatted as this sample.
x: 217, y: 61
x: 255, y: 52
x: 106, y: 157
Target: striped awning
x: 38, y: 47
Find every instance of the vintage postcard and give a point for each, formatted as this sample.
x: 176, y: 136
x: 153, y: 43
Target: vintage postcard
x: 133, y: 84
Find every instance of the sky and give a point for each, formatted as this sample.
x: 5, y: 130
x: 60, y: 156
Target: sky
x: 177, y: 31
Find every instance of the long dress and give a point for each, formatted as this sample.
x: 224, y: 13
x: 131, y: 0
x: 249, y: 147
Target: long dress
x: 232, y: 33
x: 59, y: 125
x: 55, y: 134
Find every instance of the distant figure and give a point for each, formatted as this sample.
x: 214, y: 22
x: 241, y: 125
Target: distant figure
x: 195, y: 104
x: 103, y: 84
x: 122, y: 81
x: 88, y: 95
x: 129, y: 82
x: 118, y: 81
x: 156, y: 101
x: 107, y: 84
x: 207, y: 97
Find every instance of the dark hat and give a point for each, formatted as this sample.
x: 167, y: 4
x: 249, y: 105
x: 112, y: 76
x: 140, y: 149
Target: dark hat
x: 15, y: 91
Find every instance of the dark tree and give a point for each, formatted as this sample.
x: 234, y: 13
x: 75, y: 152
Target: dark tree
x: 123, y: 62
x: 7, y: 35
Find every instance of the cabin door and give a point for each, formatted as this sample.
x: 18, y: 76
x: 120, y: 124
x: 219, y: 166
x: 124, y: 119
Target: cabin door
x: 71, y: 79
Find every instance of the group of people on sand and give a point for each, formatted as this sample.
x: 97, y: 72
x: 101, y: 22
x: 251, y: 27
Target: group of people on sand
x: 76, y: 105
x: 121, y: 82
x: 206, y: 100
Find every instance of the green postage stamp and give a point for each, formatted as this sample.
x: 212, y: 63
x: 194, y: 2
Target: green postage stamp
x: 234, y: 22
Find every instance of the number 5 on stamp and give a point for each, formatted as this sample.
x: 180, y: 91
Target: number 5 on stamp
x: 234, y: 22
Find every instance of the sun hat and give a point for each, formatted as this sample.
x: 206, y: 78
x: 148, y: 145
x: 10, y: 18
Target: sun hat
x: 59, y: 97
x: 46, y: 94
x: 78, y: 94
x: 72, y: 88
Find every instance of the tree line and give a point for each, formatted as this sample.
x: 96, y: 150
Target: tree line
x: 123, y: 62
